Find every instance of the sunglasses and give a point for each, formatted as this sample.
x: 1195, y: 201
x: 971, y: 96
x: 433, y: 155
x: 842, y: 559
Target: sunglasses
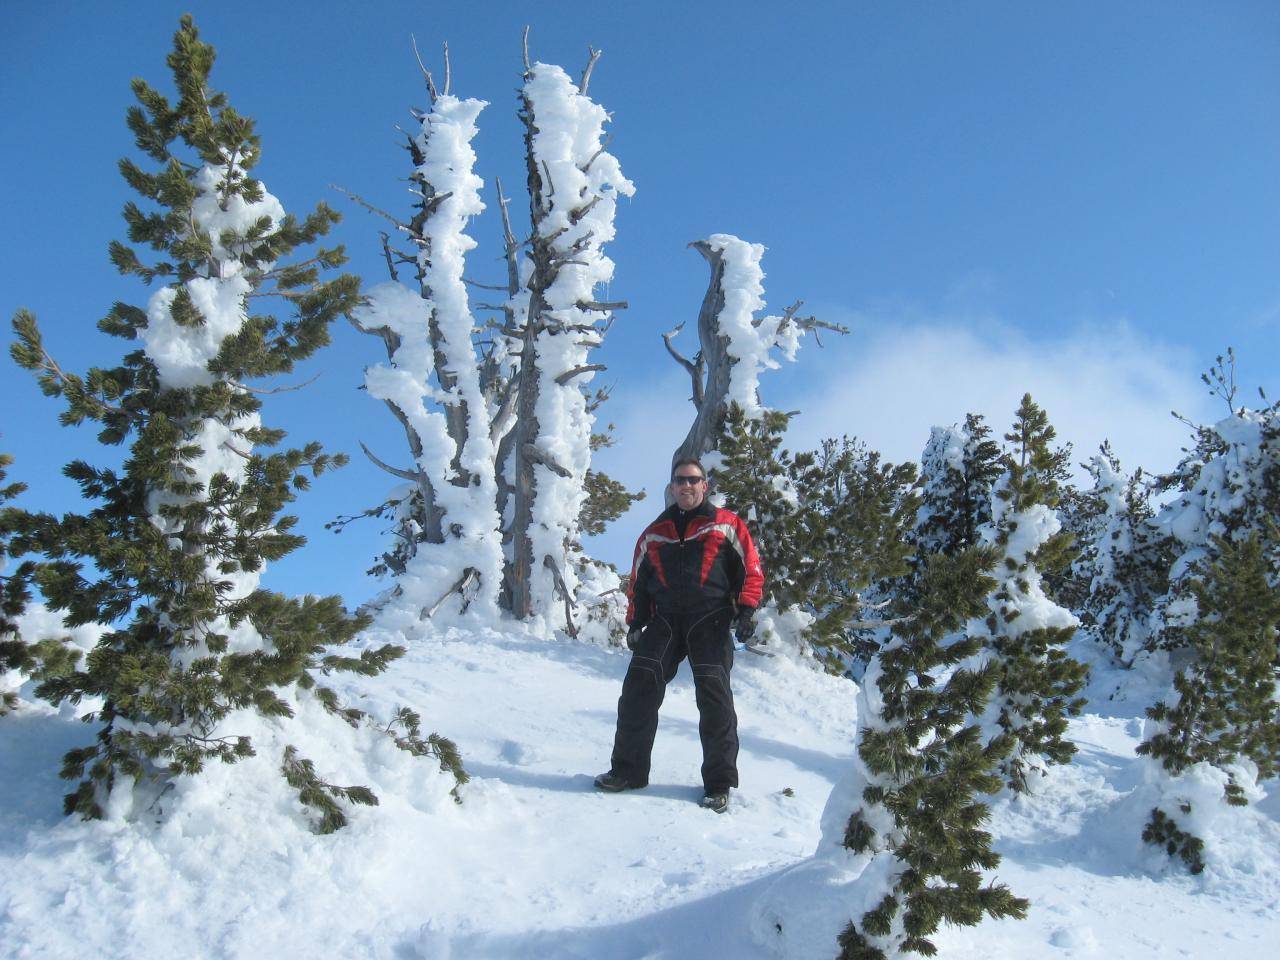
x: 686, y: 481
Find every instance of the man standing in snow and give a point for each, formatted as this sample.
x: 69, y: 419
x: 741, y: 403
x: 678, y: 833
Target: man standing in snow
x: 695, y: 572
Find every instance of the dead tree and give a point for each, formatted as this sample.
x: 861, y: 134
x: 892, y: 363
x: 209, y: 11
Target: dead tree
x: 572, y: 195
x: 711, y: 368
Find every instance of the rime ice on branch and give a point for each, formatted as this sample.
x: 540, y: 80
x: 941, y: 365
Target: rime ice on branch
x: 447, y: 524
x: 574, y: 183
x: 734, y: 345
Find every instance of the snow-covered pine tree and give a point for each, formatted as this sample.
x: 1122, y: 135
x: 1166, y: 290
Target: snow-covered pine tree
x: 15, y: 593
x: 574, y: 185
x: 922, y: 764
x: 447, y: 400
x: 1228, y: 485
x: 1220, y: 736
x: 175, y: 545
x: 1123, y: 564
x: 1217, y: 735
x: 1025, y: 631
x: 958, y: 468
x: 827, y: 523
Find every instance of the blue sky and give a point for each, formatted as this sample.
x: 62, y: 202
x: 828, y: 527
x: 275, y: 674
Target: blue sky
x: 1081, y: 200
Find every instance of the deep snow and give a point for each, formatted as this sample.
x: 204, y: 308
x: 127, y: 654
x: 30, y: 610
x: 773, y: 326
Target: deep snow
x: 535, y: 863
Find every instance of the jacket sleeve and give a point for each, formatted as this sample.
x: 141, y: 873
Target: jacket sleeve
x: 753, y: 573
x: 639, y: 603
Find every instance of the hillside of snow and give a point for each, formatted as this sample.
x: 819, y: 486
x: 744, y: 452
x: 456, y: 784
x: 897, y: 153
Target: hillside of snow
x: 535, y: 863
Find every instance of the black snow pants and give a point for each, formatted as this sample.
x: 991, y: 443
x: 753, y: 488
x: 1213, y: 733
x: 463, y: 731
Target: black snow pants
x: 667, y: 639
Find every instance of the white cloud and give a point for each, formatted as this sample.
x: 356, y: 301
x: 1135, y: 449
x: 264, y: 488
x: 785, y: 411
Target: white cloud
x: 888, y: 384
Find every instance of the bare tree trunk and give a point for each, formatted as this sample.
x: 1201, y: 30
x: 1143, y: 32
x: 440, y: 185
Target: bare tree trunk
x: 710, y: 371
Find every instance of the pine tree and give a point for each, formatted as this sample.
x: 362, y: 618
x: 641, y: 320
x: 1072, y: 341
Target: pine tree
x: 172, y: 550
x: 1228, y: 485
x: 606, y: 499
x: 924, y: 764
x: 1122, y: 561
x: 1225, y: 706
x: 827, y: 523
x: 15, y: 592
x: 1219, y: 620
x: 958, y: 468
x: 1026, y: 631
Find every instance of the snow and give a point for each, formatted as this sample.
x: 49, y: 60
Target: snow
x: 534, y: 862
x: 182, y: 353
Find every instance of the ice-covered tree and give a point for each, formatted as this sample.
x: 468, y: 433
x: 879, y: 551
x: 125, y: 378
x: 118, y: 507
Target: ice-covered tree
x: 497, y: 417
x: 1025, y: 631
x: 172, y: 546
x: 1220, y: 734
x: 922, y: 765
x: 1121, y: 561
x: 452, y: 406
x: 574, y: 185
x: 1215, y: 736
x: 958, y: 468
x: 734, y: 344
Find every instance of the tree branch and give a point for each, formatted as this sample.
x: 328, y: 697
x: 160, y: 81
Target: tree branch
x: 602, y: 305
x: 535, y: 455
x: 468, y: 575
x: 395, y: 472
x: 576, y: 215
x: 694, y: 371
x: 368, y: 206
x: 564, y: 593
x: 248, y: 389
x: 595, y: 155
x: 483, y: 286
x: 591, y: 65
x: 386, y: 252
x: 426, y: 74
x: 568, y: 375
x: 510, y: 247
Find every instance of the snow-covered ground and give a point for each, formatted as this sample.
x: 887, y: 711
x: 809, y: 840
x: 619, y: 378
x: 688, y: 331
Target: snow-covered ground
x: 535, y: 863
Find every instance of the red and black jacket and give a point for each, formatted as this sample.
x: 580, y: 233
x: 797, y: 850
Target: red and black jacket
x: 691, y: 561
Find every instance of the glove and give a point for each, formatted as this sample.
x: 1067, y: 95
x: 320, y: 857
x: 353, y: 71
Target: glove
x: 744, y: 628
x: 633, y: 636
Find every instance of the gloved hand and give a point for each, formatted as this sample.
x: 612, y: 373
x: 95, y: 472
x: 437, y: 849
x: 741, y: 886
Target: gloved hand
x: 744, y: 627
x: 633, y: 636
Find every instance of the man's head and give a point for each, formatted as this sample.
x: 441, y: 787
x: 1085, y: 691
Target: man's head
x: 688, y: 484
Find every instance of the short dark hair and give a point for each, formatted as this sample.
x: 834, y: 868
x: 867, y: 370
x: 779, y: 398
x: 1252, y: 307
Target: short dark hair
x: 688, y: 462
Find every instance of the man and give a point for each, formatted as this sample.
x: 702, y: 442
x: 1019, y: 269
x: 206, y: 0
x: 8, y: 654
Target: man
x: 695, y: 569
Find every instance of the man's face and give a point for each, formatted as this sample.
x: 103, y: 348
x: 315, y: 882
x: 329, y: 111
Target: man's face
x: 689, y: 487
